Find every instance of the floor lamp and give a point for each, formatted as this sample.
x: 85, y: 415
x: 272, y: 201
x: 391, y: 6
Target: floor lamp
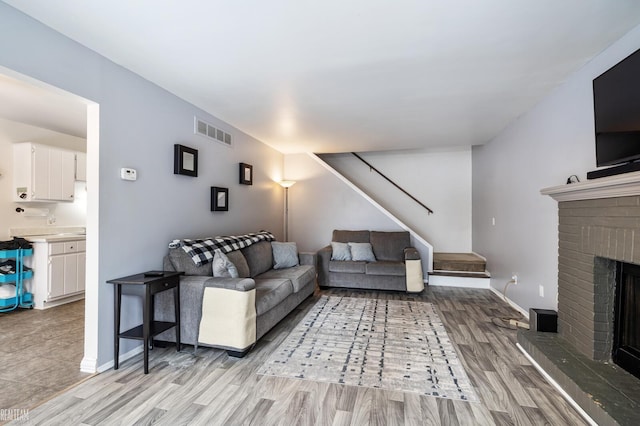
x: 286, y: 184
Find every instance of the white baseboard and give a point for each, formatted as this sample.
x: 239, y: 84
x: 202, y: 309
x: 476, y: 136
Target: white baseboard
x: 89, y: 365
x: 123, y: 357
x: 555, y: 384
x: 513, y: 304
x: 466, y: 282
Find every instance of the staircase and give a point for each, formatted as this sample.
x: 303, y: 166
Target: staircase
x: 459, y: 270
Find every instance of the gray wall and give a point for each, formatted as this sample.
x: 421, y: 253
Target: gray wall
x: 139, y: 123
x: 439, y: 178
x: 320, y: 202
x: 541, y: 149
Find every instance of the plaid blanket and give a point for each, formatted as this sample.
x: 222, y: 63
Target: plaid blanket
x: 201, y: 251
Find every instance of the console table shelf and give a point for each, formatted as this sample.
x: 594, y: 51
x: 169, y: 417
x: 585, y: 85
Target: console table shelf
x: 157, y: 327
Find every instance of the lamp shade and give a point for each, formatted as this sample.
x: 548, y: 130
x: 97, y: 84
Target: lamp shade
x: 287, y: 183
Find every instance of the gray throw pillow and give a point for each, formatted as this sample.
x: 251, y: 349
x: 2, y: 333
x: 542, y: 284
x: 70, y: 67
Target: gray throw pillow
x: 237, y: 258
x: 222, y: 266
x: 362, y: 252
x: 340, y: 251
x: 285, y: 255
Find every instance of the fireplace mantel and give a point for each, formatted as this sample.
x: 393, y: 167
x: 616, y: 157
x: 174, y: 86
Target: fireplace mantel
x: 624, y: 185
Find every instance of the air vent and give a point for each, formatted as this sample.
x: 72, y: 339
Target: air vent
x: 205, y: 129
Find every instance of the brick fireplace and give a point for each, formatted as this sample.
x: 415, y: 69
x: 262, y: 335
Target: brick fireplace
x: 593, y: 235
x: 599, y: 224
x: 598, y: 233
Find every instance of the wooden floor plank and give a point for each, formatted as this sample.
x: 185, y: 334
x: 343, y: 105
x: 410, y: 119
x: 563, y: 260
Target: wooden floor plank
x: 208, y: 387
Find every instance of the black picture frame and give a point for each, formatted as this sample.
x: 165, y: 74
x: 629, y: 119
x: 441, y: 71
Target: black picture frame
x: 246, y: 174
x: 219, y: 199
x: 185, y: 160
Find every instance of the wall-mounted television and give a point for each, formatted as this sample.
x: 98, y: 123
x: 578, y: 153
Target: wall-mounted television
x: 616, y: 105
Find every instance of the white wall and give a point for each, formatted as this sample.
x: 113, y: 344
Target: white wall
x: 320, y: 202
x: 541, y: 149
x: 139, y: 124
x: 440, y: 179
x: 66, y: 214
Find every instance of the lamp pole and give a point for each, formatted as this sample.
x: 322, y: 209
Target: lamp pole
x: 286, y: 184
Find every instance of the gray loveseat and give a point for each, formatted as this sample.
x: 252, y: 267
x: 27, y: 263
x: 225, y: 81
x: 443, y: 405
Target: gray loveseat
x: 232, y: 313
x: 396, y: 266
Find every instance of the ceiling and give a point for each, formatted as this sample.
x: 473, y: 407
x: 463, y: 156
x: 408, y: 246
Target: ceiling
x: 356, y: 75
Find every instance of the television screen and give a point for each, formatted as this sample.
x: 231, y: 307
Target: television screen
x: 616, y: 103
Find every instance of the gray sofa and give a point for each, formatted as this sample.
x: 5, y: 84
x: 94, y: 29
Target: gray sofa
x: 232, y: 313
x: 397, y: 265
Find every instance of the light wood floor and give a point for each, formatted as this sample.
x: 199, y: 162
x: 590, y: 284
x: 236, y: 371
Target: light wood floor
x: 213, y: 389
x: 40, y: 353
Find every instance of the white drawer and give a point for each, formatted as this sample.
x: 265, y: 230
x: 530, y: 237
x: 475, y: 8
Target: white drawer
x: 82, y: 245
x: 71, y: 246
x: 56, y: 248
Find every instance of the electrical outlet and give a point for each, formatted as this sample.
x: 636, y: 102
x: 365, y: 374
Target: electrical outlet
x: 493, y: 221
x: 541, y: 290
x: 514, y: 278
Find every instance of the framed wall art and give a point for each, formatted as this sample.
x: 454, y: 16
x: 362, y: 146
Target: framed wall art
x: 219, y: 199
x: 246, y: 174
x: 185, y: 160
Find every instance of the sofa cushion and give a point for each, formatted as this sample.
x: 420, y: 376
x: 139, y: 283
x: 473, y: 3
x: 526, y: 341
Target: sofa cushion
x: 386, y: 268
x: 347, y: 266
x: 182, y: 262
x: 240, y: 262
x: 340, y: 251
x: 259, y: 257
x: 285, y: 255
x: 222, y: 266
x: 270, y: 292
x: 362, y: 251
x: 299, y: 275
x: 390, y: 245
x: 343, y: 236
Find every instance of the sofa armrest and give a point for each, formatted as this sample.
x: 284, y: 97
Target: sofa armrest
x: 228, y: 319
x: 237, y: 284
x: 307, y: 258
x: 410, y: 253
x: 324, y: 256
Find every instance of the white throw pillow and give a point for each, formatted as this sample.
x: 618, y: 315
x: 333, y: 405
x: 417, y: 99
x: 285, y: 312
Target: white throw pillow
x: 362, y: 252
x: 222, y: 266
x: 340, y: 251
x: 285, y: 255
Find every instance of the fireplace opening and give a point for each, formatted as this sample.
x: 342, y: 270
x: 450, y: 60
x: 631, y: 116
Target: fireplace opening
x: 626, y: 338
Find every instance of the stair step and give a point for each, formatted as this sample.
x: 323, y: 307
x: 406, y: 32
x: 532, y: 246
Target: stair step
x: 459, y: 263
x: 463, y: 274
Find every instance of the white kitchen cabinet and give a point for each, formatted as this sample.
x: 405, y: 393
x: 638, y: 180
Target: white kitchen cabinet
x: 43, y: 173
x: 58, y: 272
x: 81, y: 166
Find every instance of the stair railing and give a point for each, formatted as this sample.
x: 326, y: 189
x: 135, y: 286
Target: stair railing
x: 393, y: 183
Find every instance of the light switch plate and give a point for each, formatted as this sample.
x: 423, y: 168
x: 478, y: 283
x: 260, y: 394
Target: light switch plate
x: 128, y: 174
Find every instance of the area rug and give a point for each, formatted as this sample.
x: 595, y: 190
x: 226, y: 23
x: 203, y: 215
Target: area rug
x: 387, y: 344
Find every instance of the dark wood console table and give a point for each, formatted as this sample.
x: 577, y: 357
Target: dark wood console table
x: 145, y: 285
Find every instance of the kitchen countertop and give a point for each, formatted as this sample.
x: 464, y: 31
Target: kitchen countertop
x: 50, y: 234
x: 54, y: 238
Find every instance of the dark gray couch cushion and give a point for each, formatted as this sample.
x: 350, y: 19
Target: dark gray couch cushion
x: 386, y: 268
x: 182, y: 262
x: 270, y: 292
x: 237, y: 258
x: 350, y: 236
x: 390, y: 245
x: 347, y: 266
x: 259, y: 257
x: 298, y: 275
